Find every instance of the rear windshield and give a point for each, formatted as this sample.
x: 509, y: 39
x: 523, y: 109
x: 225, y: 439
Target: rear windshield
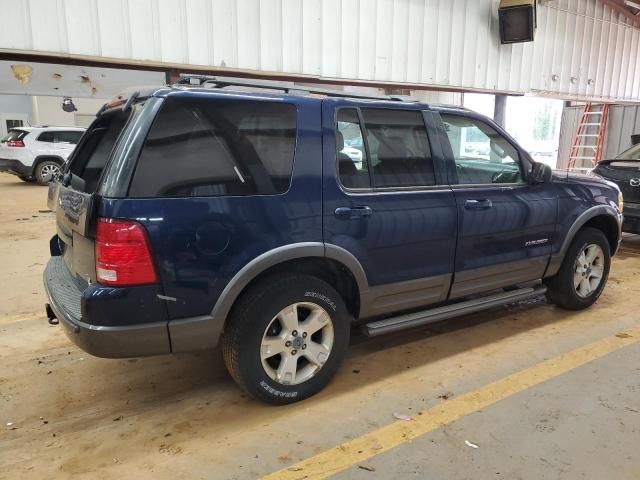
x: 14, y: 135
x: 93, y: 152
x: 631, y: 154
x: 211, y: 147
x: 635, y: 164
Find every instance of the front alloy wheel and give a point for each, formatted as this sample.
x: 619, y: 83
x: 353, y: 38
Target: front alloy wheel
x: 583, y: 273
x: 588, y: 270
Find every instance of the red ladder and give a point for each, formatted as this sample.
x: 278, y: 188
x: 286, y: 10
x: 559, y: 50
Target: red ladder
x: 592, y: 126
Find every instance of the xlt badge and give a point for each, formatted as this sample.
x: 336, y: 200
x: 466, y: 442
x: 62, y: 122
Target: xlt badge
x: 540, y: 241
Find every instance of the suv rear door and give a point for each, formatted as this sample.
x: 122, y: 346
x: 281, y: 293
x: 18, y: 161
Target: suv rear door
x: 389, y: 206
x: 505, y: 225
x: 74, y: 197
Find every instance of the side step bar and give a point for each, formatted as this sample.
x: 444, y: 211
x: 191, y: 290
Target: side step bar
x: 432, y: 315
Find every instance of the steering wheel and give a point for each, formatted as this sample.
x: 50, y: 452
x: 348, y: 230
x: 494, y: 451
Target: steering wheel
x: 497, y: 176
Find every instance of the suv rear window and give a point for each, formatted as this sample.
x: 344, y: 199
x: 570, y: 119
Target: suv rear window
x: 14, y: 135
x: 205, y: 147
x: 92, y: 154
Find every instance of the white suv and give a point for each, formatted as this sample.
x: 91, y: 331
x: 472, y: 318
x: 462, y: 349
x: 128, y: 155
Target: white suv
x: 36, y: 154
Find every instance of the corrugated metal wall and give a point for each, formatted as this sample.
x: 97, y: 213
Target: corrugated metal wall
x: 583, y: 48
x: 624, y: 120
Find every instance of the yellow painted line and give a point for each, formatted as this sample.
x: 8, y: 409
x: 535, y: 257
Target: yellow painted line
x: 369, y: 445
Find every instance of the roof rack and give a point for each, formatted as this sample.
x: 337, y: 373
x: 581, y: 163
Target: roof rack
x: 221, y: 82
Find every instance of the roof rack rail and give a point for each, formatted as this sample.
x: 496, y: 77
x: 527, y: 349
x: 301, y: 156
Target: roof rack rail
x: 221, y: 82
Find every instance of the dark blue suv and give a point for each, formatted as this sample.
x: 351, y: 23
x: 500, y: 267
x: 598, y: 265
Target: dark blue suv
x: 271, y: 219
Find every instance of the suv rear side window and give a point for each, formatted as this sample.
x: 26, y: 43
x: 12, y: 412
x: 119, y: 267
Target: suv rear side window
x: 398, y: 148
x: 68, y: 137
x: 203, y: 147
x: 60, y: 137
x: 46, y: 137
x: 353, y: 166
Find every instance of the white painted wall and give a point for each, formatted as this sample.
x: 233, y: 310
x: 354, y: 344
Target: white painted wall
x: 49, y: 110
x: 14, y: 107
x: 583, y: 48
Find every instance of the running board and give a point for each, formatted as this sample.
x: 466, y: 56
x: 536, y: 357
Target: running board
x: 432, y: 315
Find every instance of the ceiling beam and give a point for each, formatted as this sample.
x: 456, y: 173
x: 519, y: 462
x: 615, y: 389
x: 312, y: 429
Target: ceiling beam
x: 619, y: 6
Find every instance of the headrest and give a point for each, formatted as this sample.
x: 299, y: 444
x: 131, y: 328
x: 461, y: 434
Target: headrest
x: 339, y: 141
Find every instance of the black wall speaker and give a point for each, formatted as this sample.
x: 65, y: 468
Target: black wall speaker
x: 517, y: 20
x: 635, y: 139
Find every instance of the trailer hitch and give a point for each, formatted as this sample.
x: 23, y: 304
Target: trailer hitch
x: 51, y: 317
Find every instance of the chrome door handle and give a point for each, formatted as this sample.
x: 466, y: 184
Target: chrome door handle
x: 353, y: 212
x: 483, y: 204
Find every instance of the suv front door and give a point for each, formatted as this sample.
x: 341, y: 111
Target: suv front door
x: 505, y: 225
x: 386, y: 202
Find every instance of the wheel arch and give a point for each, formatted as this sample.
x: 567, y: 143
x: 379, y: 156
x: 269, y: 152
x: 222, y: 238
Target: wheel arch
x: 331, y: 263
x: 43, y: 158
x: 601, y: 217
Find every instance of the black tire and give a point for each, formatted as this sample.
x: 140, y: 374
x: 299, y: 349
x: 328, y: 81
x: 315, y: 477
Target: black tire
x: 256, y: 311
x: 27, y: 179
x: 561, y: 290
x: 42, y: 171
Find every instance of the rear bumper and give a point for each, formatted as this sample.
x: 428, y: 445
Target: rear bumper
x: 15, y: 167
x: 65, y: 300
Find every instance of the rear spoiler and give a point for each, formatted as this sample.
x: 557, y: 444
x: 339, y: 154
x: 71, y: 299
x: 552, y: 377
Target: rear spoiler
x: 127, y: 98
x: 119, y: 101
x: 611, y: 160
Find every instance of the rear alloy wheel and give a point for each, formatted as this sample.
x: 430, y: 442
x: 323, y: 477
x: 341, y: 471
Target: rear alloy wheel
x: 297, y: 343
x: 583, y: 273
x: 46, y: 171
x: 286, y: 338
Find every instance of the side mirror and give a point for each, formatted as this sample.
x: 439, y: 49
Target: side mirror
x: 540, y: 173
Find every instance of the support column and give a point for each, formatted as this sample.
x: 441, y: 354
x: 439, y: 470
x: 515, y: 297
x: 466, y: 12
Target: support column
x: 500, y: 109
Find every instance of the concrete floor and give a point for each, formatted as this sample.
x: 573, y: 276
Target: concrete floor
x: 75, y: 416
x: 584, y: 424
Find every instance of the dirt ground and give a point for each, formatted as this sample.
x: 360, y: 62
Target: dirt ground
x: 65, y: 414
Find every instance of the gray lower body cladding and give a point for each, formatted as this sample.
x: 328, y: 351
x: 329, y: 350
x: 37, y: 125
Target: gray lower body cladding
x: 65, y: 298
x: 15, y: 167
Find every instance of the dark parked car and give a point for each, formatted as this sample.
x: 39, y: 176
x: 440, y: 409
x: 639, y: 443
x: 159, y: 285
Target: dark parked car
x: 189, y: 216
x: 624, y: 170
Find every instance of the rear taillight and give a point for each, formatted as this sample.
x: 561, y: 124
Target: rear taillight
x: 15, y: 143
x: 123, y: 255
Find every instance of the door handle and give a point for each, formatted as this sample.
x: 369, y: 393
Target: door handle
x: 483, y: 204
x: 353, y: 212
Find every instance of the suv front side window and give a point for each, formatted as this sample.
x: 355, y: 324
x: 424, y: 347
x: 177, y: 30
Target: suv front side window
x: 482, y: 155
